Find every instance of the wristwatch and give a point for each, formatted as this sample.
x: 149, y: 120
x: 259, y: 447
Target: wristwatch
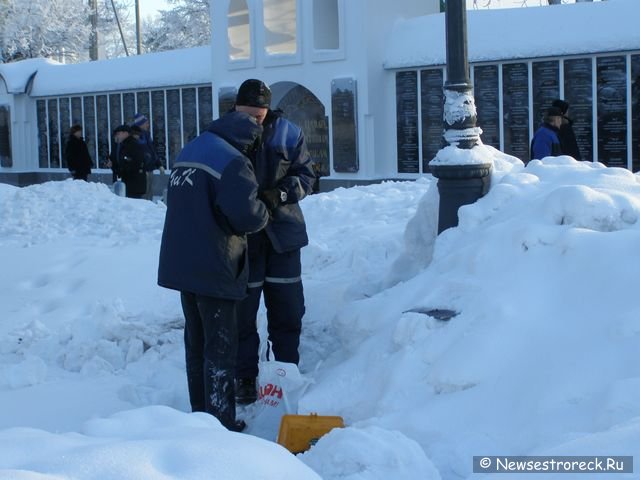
x: 283, y: 196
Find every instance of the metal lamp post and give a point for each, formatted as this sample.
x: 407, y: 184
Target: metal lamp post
x: 138, y: 28
x: 462, y: 178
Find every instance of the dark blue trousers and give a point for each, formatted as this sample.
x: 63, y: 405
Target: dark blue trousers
x: 278, y: 276
x: 211, y: 347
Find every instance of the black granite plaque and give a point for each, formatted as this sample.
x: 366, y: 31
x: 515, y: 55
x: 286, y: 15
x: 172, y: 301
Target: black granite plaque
x: 432, y: 113
x: 189, y: 118
x: 115, y: 111
x: 515, y: 95
x: 174, y: 138
x: 158, y: 124
x: 635, y: 112
x: 612, y: 110
x: 65, y: 124
x: 343, y: 125
x: 5, y: 137
x: 89, y: 127
x: 76, y: 111
x: 104, y: 131
x: 205, y: 107
x: 43, y: 141
x: 319, y: 147
x: 578, y: 92
x: 304, y: 109
x: 226, y: 99
x: 407, y: 122
x: 486, y: 94
x: 129, y: 107
x: 545, y: 87
x: 143, y: 104
x: 54, y: 141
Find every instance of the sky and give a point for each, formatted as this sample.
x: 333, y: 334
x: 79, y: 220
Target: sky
x: 540, y: 359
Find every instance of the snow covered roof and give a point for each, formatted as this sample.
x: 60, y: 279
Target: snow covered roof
x: 152, y: 70
x: 514, y: 33
x: 16, y: 75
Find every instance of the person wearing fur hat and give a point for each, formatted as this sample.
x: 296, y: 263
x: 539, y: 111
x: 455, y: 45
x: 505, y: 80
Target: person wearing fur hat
x: 546, y: 142
x: 568, y: 142
x: 77, y: 154
x: 151, y: 161
x: 285, y: 176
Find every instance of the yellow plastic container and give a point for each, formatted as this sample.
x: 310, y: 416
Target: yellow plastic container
x: 298, y: 433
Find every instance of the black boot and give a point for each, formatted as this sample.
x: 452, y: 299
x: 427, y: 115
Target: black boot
x: 246, y: 391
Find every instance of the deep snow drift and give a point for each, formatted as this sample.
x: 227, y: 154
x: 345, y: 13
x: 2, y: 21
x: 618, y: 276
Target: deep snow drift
x: 540, y: 359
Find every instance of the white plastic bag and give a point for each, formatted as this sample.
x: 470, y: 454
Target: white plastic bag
x: 119, y: 188
x: 280, y: 386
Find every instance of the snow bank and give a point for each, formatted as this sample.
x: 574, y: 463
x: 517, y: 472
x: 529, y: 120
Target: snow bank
x: 523, y: 33
x: 539, y: 358
x: 154, y: 443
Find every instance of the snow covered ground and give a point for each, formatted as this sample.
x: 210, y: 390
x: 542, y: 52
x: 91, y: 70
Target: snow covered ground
x: 541, y: 359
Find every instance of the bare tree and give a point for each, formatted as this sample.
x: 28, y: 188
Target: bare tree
x: 186, y: 24
x: 110, y: 38
x: 56, y: 29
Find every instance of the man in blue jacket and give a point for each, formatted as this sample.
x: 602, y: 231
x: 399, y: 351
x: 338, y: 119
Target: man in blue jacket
x: 546, y: 140
x: 285, y: 174
x: 151, y: 161
x: 212, y: 203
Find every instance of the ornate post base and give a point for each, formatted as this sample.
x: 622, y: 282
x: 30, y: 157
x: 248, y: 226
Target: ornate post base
x: 459, y: 185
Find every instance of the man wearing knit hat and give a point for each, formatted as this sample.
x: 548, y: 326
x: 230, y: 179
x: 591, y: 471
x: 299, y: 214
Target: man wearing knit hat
x: 285, y: 176
x: 151, y: 160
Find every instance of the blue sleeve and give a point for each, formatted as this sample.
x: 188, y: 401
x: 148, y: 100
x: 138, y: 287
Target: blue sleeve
x: 237, y: 198
x: 300, y: 178
x: 151, y: 149
x: 542, y: 145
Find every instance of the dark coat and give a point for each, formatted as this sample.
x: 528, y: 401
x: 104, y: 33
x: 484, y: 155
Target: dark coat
x: 77, y: 156
x: 212, y: 203
x: 568, y: 142
x: 545, y: 142
x: 283, y: 162
x: 151, y: 160
x: 127, y: 162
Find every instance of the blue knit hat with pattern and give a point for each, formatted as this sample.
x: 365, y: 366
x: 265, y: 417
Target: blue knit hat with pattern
x: 139, y: 119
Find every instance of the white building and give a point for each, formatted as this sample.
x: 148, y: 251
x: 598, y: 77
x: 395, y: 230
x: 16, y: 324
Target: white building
x: 324, y: 62
x: 42, y: 99
x: 362, y: 77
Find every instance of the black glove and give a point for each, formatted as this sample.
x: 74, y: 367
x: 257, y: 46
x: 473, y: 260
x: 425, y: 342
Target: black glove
x: 271, y: 198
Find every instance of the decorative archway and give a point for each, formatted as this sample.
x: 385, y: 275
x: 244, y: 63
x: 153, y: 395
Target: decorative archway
x: 304, y: 109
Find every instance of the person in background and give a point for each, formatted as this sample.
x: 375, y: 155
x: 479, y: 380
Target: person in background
x: 546, y: 141
x: 77, y: 154
x: 151, y: 160
x: 127, y: 162
x: 567, y: 136
x: 136, y: 132
x: 285, y: 176
x: 212, y: 202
